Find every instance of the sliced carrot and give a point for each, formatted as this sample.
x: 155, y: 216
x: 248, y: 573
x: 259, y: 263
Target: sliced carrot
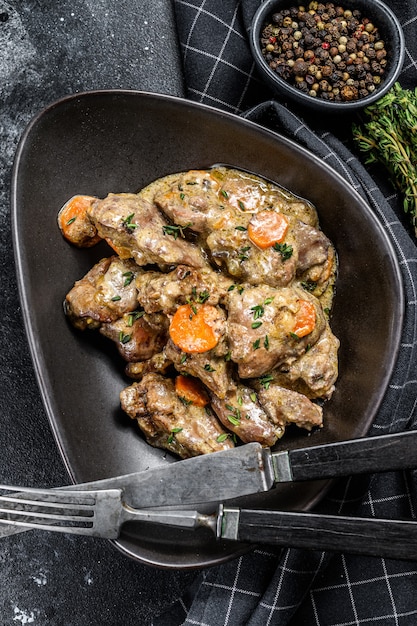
x: 191, y: 389
x: 267, y: 227
x: 74, y: 223
x: 191, y: 328
x: 305, y: 319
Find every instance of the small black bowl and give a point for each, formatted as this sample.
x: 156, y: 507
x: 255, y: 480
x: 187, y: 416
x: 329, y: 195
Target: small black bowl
x: 389, y: 30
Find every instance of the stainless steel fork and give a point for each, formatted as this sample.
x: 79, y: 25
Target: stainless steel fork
x: 103, y: 512
x: 99, y: 513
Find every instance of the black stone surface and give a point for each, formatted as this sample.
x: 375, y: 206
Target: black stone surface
x: 49, y: 50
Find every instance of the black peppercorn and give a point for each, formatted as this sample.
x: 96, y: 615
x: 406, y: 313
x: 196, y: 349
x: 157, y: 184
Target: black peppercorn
x: 327, y: 51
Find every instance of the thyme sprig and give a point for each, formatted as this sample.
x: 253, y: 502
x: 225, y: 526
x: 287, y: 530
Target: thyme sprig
x: 389, y: 137
x: 175, y: 230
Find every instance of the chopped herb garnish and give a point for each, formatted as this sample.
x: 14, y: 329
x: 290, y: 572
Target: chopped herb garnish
x: 123, y: 338
x: 228, y: 356
x: 253, y: 397
x: 209, y: 368
x: 233, y: 420
x: 242, y: 253
x: 116, y: 298
x: 175, y: 229
x: 231, y: 287
x: 203, y: 296
x: 135, y: 315
x: 266, y: 342
x: 71, y: 221
x: 242, y: 228
x: 309, y: 285
x: 185, y: 401
x: 256, y: 325
x: 295, y: 336
x: 266, y: 380
x: 241, y: 205
x: 127, y: 222
x: 258, y: 311
x: 171, y: 436
x: 256, y: 344
x: 284, y: 250
x: 192, y: 306
x: 224, y: 193
x: 129, y: 276
x: 222, y: 437
x: 236, y: 416
x: 183, y: 359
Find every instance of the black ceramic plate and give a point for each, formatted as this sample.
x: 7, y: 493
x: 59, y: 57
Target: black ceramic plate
x: 117, y: 141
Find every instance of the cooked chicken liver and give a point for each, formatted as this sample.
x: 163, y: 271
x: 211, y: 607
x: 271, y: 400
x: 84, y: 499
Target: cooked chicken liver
x: 223, y: 278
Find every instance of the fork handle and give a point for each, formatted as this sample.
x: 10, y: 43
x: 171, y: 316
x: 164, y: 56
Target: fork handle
x: 394, y: 539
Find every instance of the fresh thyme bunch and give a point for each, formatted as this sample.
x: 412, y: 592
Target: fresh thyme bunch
x: 389, y: 137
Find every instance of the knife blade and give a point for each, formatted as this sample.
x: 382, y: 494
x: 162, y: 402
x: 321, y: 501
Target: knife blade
x: 250, y: 469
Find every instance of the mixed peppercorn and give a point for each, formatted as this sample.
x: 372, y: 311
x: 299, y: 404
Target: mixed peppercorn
x: 325, y: 51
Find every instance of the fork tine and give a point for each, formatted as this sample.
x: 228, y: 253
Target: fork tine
x: 88, y: 513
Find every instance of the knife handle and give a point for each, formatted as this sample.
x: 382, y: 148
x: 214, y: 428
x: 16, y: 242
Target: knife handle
x: 357, y: 456
x: 394, y: 539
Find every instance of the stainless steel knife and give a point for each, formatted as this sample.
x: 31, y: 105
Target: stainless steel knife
x: 250, y: 469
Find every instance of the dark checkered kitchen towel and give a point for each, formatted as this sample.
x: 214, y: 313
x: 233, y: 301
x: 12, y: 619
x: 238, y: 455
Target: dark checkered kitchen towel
x: 296, y: 587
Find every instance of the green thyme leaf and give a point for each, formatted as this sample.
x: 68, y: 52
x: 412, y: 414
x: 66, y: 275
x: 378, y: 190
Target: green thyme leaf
x: 185, y: 401
x: 258, y: 311
x: 129, y: 276
x: 309, y: 285
x: 175, y: 230
x: 124, y: 338
x: 233, y: 420
x: 127, y: 222
x: 266, y: 380
x: 135, y: 315
x: 285, y: 250
x: 203, y: 296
